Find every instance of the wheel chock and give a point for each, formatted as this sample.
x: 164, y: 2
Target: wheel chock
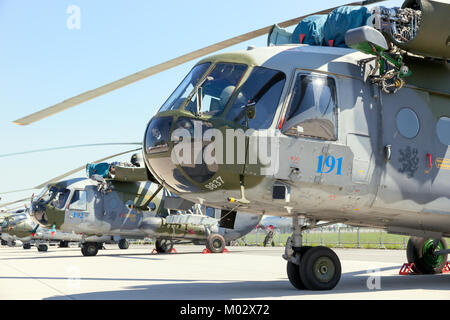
x: 446, y: 268
x: 154, y: 251
x: 406, y: 269
x: 206, y: 250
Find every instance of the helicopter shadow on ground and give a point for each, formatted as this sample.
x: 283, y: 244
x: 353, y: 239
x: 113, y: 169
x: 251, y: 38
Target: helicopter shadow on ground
x: 93, y: 279
x: 353, y: 282
x: 44, y: 255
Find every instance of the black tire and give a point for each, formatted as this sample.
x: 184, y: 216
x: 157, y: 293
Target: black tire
x: 163, y: 246
x: 63, y: 244
x: 123, y: 244
x: 4, y: 243
x: 27, y: 246
x: 215, y: 243
x: 89, y: 249
x: 419, y: 251
x: 42, y: 248
x: 293, y: 271
x: 320, y: 269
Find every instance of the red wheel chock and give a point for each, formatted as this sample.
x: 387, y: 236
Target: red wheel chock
x: 408, y: 268
x: 154, y: 251
x: 446, y: 268
x: 206, y: 250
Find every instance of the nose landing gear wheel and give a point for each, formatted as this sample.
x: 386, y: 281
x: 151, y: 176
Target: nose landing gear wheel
x: 420, y: 251
x: 42, y: 248
x: 215, y: 243
x: 163, y: 246
x: 89, y: 249
x: 63, y: 244
x: 293, y: 270
x: 123, y: 244
x: 320, y: 269
x: 293, y: 273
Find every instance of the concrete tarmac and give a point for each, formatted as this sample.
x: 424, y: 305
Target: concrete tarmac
x: 244, y: 273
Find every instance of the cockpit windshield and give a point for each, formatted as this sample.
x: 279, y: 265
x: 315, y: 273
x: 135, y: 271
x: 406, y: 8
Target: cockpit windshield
x: 215, y: 89
x: 180, y: 94
x: 45, y: 195
x: 52, y: 195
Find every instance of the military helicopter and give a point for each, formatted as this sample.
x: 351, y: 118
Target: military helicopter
x: 19, y: 227
x: 354, y: 106
x: 114, y: 201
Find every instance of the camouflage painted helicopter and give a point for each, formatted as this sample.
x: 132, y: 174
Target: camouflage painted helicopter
x: 355, y: 106
x: 20, y: 228
x: 115, y: 202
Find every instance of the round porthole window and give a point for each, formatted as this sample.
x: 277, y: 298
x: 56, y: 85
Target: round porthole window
x: 443, y: 130
x: 407, y: 123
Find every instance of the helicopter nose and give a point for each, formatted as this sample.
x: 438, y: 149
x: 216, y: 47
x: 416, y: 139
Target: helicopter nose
x: 174, y: 152
x: 38, y: 212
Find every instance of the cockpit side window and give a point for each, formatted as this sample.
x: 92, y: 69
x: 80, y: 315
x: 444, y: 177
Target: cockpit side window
x: 312, y: 111
x: 78, y: 201
x: 61, y: 198
x: 263, y: 88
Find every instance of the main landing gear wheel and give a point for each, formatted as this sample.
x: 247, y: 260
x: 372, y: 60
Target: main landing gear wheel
x: 420, y: 251
x: 215, y: 243
x: 123, y: 244
x: 27, y: 246
x: 89, y: 249
x: 163, y: 246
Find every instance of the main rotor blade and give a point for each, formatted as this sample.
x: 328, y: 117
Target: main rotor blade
x: 13, y: 202
x: 88, y: 95
x: 69, y: 173
x: 69, y: 147
x: 14, y: 191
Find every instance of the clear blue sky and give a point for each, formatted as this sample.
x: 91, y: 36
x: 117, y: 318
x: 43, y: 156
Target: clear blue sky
x: 43, y: 62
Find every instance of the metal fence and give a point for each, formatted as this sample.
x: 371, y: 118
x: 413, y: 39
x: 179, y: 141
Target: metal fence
x: 340, y: 237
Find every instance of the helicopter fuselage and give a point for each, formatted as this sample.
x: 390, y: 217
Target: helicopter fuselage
x: 343, y: 149
x: 81, y: 206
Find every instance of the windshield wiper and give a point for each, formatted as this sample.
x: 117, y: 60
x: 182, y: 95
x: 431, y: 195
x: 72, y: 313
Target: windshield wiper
x: 198, y: 91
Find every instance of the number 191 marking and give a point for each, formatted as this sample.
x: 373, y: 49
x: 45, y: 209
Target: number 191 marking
x: 330, y: 163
